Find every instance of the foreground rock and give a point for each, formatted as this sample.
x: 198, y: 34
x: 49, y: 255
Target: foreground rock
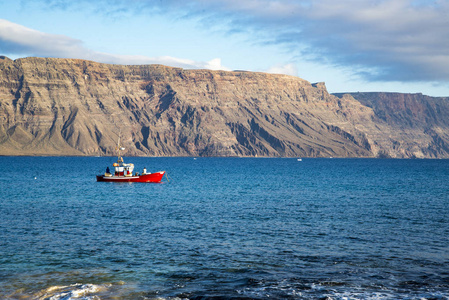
x: 77, y: 107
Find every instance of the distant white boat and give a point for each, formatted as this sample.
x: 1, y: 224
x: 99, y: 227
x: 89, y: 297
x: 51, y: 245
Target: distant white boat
x: 299, y: 159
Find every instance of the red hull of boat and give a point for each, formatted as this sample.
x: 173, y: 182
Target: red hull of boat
x: 153, y: 177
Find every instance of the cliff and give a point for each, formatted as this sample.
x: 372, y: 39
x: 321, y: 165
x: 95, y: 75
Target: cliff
x: 76, y: 107
x: 415, y: 125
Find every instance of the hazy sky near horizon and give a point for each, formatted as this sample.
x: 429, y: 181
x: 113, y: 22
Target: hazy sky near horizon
x: 352, y: 45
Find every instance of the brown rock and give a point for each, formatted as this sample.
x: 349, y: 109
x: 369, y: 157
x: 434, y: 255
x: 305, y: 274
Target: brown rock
x: 76, y: 107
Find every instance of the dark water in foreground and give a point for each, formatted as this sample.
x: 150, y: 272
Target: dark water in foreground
x: 225, y: 228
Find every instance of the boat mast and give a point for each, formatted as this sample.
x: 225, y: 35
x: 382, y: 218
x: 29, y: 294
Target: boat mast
x: 119, y: 148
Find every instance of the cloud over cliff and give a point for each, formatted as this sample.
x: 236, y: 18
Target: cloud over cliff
x: 18, y: 39
x: 386, y: 40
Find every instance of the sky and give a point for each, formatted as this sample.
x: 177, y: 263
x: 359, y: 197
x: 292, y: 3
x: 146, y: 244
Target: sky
x: 351, y: 45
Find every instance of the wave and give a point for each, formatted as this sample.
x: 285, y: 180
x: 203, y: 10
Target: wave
x: 252, y: 289
x: 60, y: 292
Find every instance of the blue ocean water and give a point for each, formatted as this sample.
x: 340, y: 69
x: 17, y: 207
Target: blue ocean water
x: 244, y: 228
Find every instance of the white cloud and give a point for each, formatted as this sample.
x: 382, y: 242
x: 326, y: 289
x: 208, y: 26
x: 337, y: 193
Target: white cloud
x: 17, y: 39
x: 214, y: 64
x: 287, y: 69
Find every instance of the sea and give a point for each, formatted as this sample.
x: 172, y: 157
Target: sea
x: 225, y: 228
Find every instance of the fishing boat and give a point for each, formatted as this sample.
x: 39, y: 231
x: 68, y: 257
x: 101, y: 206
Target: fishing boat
x: 124, y: 172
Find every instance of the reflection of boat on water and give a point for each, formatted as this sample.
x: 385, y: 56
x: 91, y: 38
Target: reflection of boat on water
x: 123, y: 172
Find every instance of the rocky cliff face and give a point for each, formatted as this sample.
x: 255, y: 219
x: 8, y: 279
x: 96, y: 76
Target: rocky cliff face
x: 414, y: 125
x: 77, y: 107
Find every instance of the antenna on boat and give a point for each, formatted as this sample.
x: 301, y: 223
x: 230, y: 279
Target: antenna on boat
x: 119, y: 148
